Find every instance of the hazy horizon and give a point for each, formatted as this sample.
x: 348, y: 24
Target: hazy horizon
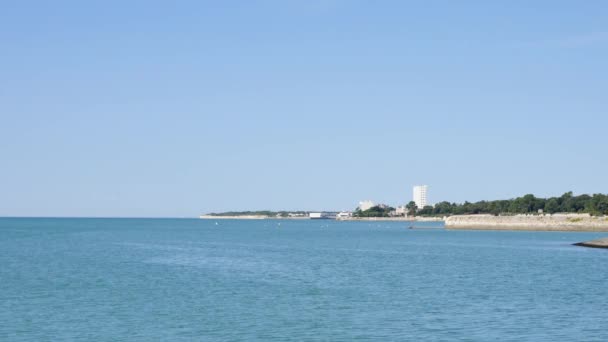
x: 181, y: 109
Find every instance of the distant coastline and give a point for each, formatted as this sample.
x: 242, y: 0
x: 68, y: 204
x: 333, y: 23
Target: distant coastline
x: 250, y: 217
x: 264, y: 217
x: 564, y: 213
x: 545, y: 222
x: 233, y: 217
x: 396, y: 218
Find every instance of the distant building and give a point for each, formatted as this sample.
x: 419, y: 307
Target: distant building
x: 343, y: 215
x: 420, y: 196
x: 296, y: 215
x: 364, y: 205
x: 322, y: 215
x: 401, y: 211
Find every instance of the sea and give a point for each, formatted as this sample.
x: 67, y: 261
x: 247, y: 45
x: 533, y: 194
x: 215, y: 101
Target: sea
x: 81, y: 279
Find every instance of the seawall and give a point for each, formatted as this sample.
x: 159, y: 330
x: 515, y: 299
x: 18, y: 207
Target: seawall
x: 555, y: 222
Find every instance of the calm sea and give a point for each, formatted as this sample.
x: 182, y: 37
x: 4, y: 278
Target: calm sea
x: 193, y: 280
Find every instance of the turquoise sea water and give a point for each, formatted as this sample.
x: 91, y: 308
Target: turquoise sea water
x: 193, y: 280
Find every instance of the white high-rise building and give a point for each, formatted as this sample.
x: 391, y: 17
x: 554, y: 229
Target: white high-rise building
x: 420, y: 198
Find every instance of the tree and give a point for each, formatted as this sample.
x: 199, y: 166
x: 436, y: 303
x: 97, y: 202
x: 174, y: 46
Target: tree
x: 601, y: 203
x: 442, y: 208
x: 411, y: 208
x: 565, y: 202
x: 528, y: 204
x: 552, y: 206
x: 426, y: 210
x: 375, y: 211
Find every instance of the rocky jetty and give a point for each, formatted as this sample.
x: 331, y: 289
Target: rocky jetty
x: 599, y: 243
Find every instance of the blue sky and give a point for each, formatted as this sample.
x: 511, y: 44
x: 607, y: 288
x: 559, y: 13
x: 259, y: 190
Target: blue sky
x: 159, y: 108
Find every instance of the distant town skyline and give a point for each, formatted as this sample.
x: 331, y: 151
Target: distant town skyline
x: 176, y: 109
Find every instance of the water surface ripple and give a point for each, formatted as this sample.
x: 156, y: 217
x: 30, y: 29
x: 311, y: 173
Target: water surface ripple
x: 193, y: 280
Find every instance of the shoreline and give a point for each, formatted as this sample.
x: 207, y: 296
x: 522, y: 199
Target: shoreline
x: 394, y: 219
x: 546, y: 222
x: 263, y: 217
x: 250, y: 217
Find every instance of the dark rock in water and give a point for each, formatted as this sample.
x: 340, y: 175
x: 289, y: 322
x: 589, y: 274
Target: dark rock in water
x: 599, y: 243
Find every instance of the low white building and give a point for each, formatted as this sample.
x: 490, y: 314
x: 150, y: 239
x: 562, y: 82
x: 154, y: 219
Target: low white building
x: 322, y: 215
x: 344, y: 215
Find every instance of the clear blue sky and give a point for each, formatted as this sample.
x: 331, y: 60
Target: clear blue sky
x: 162, y: 108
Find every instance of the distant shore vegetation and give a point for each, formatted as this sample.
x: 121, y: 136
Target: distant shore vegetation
x: 596, y: 204
x: 267, y: 213
x: 375, y: 211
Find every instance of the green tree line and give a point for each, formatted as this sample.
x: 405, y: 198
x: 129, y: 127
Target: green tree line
x: 596, y: 204
x: 376, y: 211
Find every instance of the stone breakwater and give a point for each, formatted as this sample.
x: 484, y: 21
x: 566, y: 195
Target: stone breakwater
x: 555, y: 222
x: 599, y: 243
